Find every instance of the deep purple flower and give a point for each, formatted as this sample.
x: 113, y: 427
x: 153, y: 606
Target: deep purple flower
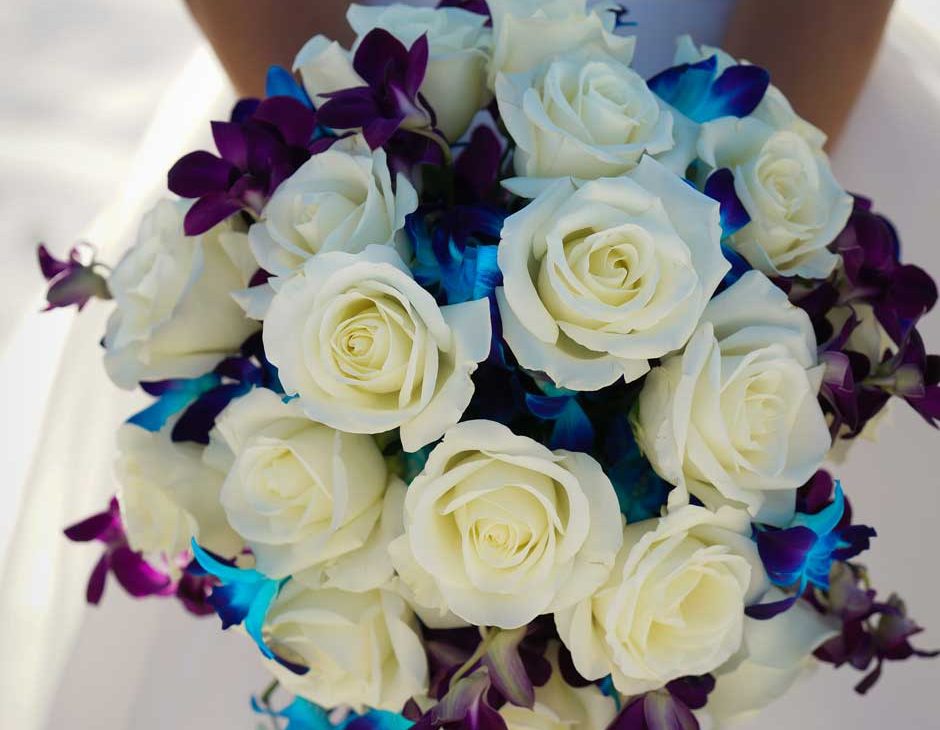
x: 872, y: 632
x: 263, y: 144
x: 660, y: 710
x: 135, y: 574
x: 74, y: 280
x: 473, y: 6
x: 390, y: 100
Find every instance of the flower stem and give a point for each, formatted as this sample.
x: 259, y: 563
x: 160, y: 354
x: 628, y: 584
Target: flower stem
x: 477, y: 655
x: 439, y: 141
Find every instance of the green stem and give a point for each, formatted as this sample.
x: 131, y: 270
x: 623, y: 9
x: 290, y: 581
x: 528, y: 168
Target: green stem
x: 266, y: 701
x: 439, y: 141
x: 476, y: 656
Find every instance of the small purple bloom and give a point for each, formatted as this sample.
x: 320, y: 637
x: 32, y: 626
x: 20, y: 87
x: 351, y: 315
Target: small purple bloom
x: 74, y: 280
x: 259, y: 148
x: 473, y: 6
x: 659, y: 710
x: 136, y: 575
x: 390, y: 99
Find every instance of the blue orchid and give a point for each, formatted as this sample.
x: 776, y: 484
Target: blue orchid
x: 703, y: 94
x: 720, y: 186
x: 640, y: 491
x: 172, y: 397
x: 571, y: 428
x: 243, y: 598
x: 281, y: 82
x: 302, y: 714
x: 802, y: 554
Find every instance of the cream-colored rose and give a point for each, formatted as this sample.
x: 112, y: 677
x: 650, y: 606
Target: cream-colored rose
x: 559, y: 706
x: 674, y: 603
x: 175, y: 316
x: 342, y: 199
x: 796, y: 206
x: 362, y: 649
x: 459, y: 46
x: 601, y: 277
x: 309, y: 501
x: 584, y: 116
x: 775, y: 654
x: 168, y: 496
x: 528, y: 32
x: 735, y: 417
x: 498, y: 529
x: 367, y: 349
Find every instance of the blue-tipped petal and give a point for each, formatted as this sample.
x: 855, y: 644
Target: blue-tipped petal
x: 281, y: 82
x: 695, y: 91
x: 720, y: 187
x: 199, y: 419
x: 739, y: 267
x: 827, y: 519
x: 173, y: 397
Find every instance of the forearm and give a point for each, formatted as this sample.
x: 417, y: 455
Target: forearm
x: 250, y: 35
x: 818, y: 52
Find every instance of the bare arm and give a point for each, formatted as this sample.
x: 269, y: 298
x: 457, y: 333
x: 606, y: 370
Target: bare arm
x: 250, y: 35
x: 818, y: 52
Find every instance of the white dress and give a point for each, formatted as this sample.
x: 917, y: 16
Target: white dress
x: 147, y: 665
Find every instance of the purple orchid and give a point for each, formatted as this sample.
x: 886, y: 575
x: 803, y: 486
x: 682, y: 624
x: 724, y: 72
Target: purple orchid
x: 136, y: 575
x: 73, y: 280
x: 263, y: 144
x: 473, y: 6
x: 667, y: 709
x: 872, y: 632
x: 390, y: 99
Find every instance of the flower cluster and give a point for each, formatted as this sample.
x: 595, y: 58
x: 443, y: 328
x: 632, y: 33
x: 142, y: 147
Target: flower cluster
x: 492, y: 382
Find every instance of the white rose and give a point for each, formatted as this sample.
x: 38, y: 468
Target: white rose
x: 339, y: 200
x: 584, y: 116
x: 368, y: 350
x: 774, y: 108
x: 309, y: 501
x: 774, y: 655
x: 459, y: 45
x: 735, y: 417
x: 599, y: 278
x: 168, y: 496
x: 175, y: 316
x: 559, y: 706
x: 498, y: 529
x: 797, y: 207
x: 674, y: 603
x: 363, y: 649
x: 528, y: 32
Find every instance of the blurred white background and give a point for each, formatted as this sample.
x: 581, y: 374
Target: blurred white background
x: 99, y: 97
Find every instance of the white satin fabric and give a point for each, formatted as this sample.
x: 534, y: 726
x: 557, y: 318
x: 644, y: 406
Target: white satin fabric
x: 147, y: 665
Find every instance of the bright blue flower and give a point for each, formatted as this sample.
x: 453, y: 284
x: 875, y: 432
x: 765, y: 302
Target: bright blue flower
x: 281, y: 82
x: 571, y: 428
x: 449, y: 256
x: 640, y: 491
x: 172, y: 396
x: 302, y: 714
x: 244, y: 597
x: 702, y: 94
x: 720, y: 187
x: 802, y: 553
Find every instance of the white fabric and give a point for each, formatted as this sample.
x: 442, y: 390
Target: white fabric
x: 146, y: 665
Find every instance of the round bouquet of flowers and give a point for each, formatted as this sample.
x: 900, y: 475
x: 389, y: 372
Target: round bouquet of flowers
x: 493, y: 383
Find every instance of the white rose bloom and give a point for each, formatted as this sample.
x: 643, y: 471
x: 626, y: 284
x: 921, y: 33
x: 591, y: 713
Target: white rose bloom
x: 528, y: 32
x: 735, y: 416
x: 584, y: 116
x: 175, y: 316
x: 309, y: 501
x: 363, y: 649
x: 368, y: 350
x: 559, y: 706
x: 601, y: 277
x: 774, y: 655
x: 674, y: 603
x: 459, y: 45
x: 168, y: 496
x: 498, y: 529
x: 797, y: 207
x: 339, y: 200
x: 774, y: 108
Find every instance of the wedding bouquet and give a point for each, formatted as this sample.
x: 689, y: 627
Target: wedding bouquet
x: 493, y: 383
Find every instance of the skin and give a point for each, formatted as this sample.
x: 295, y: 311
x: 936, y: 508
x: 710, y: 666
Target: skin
x: 840, y: 39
